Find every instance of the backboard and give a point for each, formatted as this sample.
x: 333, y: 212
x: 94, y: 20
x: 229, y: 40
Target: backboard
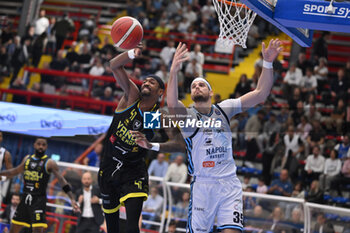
x: 298, y: 18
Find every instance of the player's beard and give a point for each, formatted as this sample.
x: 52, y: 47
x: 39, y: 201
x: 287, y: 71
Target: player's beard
x: 39, y: 153
x: 200, y: 98
x: 145, y: 92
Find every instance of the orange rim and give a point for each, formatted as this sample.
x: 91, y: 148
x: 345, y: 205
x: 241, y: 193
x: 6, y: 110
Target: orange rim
x: 233, y: 3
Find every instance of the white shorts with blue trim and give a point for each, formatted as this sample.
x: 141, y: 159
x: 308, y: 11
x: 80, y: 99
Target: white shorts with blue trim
x: 210, y: 198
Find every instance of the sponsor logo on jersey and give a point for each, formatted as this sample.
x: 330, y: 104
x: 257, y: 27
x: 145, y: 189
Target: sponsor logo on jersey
x: 208, y: 142
x: 215, y: 150
x: 137, y: 125
x: 208, y: 164
x: 33, y: 165
x: 199, y: 209
x: 217, y: 111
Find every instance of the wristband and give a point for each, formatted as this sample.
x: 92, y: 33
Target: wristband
x: 3, y: 178
x: 267, y: 65
x: 131, y: 54
x: 66, y: 188
x: 155, y: 146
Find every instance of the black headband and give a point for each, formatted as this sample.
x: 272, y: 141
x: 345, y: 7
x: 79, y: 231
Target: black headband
x: 159, y: 80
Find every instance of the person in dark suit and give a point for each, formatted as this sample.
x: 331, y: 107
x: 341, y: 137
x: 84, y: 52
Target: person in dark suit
x: 10, y: 209
x: 322, y: 226
x: 91, y: 216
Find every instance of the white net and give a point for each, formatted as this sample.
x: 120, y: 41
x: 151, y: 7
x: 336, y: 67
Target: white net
x: 235, y: 20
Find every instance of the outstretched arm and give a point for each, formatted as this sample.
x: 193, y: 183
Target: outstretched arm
x: 175, y: 106
x: 131, y: 91
x: 52, y: 167
x: 14, y: 171
x: 174, y: 144
x: 265, y: 82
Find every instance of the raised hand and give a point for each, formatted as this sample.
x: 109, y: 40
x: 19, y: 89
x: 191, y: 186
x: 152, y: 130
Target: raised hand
x: 272, y: 51
x: 179, y: 57
x: 141, y: 139
x: 138, y: 50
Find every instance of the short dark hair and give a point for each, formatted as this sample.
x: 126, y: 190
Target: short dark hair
x: 172, y: 223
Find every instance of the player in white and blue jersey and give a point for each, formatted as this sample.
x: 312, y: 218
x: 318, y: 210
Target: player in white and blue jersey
x: 215, y: 191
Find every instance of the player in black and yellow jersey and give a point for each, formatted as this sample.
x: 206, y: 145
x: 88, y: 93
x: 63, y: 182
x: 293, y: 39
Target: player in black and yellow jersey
x: 36, y: 171
x: 123, y: 177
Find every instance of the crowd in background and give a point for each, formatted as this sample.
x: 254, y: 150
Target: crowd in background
x: 308, y: 146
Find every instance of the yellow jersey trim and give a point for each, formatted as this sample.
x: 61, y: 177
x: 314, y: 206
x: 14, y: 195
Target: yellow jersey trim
x: 132, y: 195
x: 39, y: 225
x: 120, y: 111
x: 20, y: 223
x: 111, y: 211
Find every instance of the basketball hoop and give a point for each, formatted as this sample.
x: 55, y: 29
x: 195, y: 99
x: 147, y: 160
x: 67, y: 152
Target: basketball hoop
x: 235, y: 20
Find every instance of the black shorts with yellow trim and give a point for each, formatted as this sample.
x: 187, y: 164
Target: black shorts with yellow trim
x: 31, y: 211
x: 114, y: 194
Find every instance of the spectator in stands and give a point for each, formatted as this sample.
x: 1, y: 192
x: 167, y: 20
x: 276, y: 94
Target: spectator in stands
x: 252, y: 129
x: 39, y: 46
x: 314, y: 166
x: 298, y: 112
x: 91, y: 217
x: 190, y: 14
x: 321, y: 225
x: 312, y: 114
x: 181, y: 208
x: 29, y: 35
x: 304, y: 127
x: 336, y: 119
x: 72, y: 57
x: 173, y: 7
x: 61, y: 64
x: 20, y: 56
x: 277, y: 217
x: 284, y: 114
x: 172, y: 227
x: 294, y: 98
x: 246, y: 182
x: 308, y: 83
x: 10, y: 209
x: 339, y: 85
x: 159, y: 166
x: 107, y: 48
x: 166, y: 54
x: 270, y: 127
x: 153, y: 206
x: 38, y: 89
x: 161, y: 30
x: 163, y: 73
x: 268, y: 156
x: 41, y: 24
x: 85, y: 43
x: 294, y: 147
x: 261, y: 188
x: 320, y: 47
x: 197, y: 54
x: 303, y: 63
x: 316, y: 135
x: 98, y: 68
x: 136, y: 74
x: 217, y: 98
x: 332, y: 169
x: 84, y: 59
x: 343, y: 147
x: 281, y: 186
x: 4, y: 62
x: 183, y: 25
x: 63, y: 27
x: 147, y: 69
x: 242, y: 87
x: 18, y: 84
x: 292, y: 79
x: 93, y: 158
x: 309, y: 100
x: 298, y: 191
x: 347, y: 69
x: 249, y: 202
x: 297, y: 221
x: 321, y: 73
x: 343, y: 179
x: 177, y: 171
x: 51, y: 37
x: 192, y: 71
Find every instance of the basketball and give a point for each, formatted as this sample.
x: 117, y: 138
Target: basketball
x: 126, y: 32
